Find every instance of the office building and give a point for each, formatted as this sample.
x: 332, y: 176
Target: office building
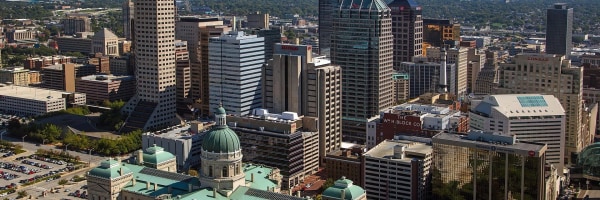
x: 74, y: 44
x: 153, y: 106
x: 235, y: 62
x: 59, y: 77
x: 458, y: 57
x: 436, y: 32
x: 75, y: 24
x: 344, y: 188
x: 100, y: 62
x: 552, y: 75
x: 257, y: 21
x: 31, y: 101
x: 487, y: 79
x: 183, y: 141
x: 15, y: 76
x: 366, y: 80
x: 476, y: 62
x: 272, y: 36
x: 99, y: 88
x: 484, y: 165
x: 197, y: 32
x: 414, y: 119
x: 327, y: 10
x: 530, y: 117
x: 398, y: 169
x: 13, y: 36
x: 105, y: 42
x: 407, y: 27
x: 401, y: 87
x: 295, y: 81
x: 425, y: 77
x: 120, y: 66
x: 347, y: 161
x: 128, y: 16
x: 559, y: 29
x: 286, y: 141
x: 183, y: 78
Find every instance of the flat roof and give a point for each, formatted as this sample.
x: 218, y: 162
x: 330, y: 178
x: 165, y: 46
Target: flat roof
x: 40, y: 94
x: 519, y: 148
x: 106, y: 78
x: 181, y: 131
x: 385, y: 149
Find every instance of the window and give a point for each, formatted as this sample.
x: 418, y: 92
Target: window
x: 210, y: 171
x: 225, y: 172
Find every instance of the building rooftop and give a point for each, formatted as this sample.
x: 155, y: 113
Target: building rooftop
x: 493, y: 141
x: 50, y: 57
x: 420, y: 108
x: 13, y: 70
x: 520, y: 105
x: 157, y: 155
x: 40, y: 94
x: 319, y: 61
x: 370, y: 5
x: 105, y: 33
x: 350, y: 190
x: 106, y: 78
x: 412, y: 149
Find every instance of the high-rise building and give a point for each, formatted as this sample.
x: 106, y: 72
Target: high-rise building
x: 457, y: 56
x: 99, y: 88
x: 197, y: 31
x: 401, y: 87
x: 75, y: 24
x: 182, y: 76
x: 531, y: 117
x: 153, y: 107
x: 294, y: 81
x: 437, y: 31
x: 424, y: 77
x: 365, y: 30
x: 487, y: 79
x: 559, y: 29
x: 476, y: 62
x: 347, y: 161
x: 286, y: 141
x: 407, y: 27
x: 105, y: 42
x: 15, y: 75
x: 272, y: 36
x: 484, y: 165
x: 128, y: 17
x: 553, y: 75
x: 398, y: 169
x: 326, y: 13
x: 235, y: 65
x: 257, y: 20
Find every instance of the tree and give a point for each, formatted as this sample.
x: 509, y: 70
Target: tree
x: 21, y: 194
x: 193, y: 173
x: 74, y: 54
x: 328, y: 183
x: 62, y: 182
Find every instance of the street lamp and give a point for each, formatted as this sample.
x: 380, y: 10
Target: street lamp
x: 23, y: 141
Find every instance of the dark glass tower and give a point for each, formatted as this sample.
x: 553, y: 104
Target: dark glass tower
x: 326, y: 11
x: 407, y: 28
x: 559, y: 29
x: 361, y: 43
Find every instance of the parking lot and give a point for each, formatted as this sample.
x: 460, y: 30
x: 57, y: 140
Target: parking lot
x: 27, y: 168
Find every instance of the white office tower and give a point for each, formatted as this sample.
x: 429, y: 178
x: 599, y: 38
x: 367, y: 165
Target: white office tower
x: 153, y: 106
x: 235, y: 63
x: 531, y: 117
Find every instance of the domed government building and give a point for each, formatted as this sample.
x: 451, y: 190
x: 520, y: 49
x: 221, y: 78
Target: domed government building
x: 222, y: 174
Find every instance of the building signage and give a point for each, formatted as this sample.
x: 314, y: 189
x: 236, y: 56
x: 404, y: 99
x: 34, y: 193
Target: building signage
x: 291, y: 50
x: 403, y: 120
x: 537, y: 59
x: 495, y: 148
x: 289, y: 47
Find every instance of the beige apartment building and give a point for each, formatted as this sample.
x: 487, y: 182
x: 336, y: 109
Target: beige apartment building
x: 197, y: 31
x: 16, y: 35
x: 15, y: 75
x: 553, y: 75
x: 59, y: 77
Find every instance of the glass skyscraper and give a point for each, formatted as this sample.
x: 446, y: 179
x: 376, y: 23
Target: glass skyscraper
x: 361, y: 43
x: 559, y: 29
x: 483, y: 165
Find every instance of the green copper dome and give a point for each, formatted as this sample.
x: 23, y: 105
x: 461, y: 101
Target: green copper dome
x: 156, y: 155
x: 221, y: 139
x: 110, y: 169
x: 344, y: 185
